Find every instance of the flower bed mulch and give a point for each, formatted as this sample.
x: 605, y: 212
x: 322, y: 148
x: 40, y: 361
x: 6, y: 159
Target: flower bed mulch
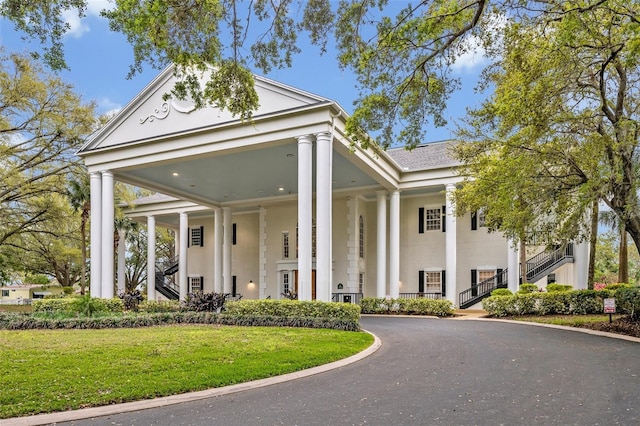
x: 624, y: 325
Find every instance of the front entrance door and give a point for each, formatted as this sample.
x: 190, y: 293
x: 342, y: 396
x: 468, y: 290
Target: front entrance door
x: 313, y: 283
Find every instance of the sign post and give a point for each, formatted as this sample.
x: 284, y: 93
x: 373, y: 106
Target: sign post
x: 610, y: 307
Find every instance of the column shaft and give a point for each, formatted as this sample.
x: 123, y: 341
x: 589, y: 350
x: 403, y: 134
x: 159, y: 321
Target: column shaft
x: 381, y: 233
x: 305, y: 166
x: 451, y: 246
x: 151, y: 258
x: 108, y: 213
x: 394, y: 245
x: 183, y: 258
x: 122, y: 249
x: 323, y: 216
x: 513, y: 263
x: 95, y: 253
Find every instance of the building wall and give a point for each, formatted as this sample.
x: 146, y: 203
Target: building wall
x: 200, y: 259
x: 244, y: 254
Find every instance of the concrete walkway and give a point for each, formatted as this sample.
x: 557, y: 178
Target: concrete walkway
x: 439, y: 372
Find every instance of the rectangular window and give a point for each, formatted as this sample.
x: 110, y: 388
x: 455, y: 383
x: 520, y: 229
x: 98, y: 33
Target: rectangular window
x: 285, y: 245
x: 487, y: 275
x: 195, y: 284
x: 361, y: 283
x: 481, y: 218
x: 285, y: 282
x: 197, y: 235
x: 432, y: 219
x: 433, y: 281
x: 5, y: 293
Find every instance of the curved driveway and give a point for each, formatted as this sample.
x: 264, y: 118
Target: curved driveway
x: 441, y: 372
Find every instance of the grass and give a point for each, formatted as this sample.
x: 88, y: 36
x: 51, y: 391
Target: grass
x: 55, y: 370
x: 15, y: 308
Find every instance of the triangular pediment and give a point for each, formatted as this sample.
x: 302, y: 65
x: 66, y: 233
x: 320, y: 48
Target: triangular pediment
x: 148, y: 116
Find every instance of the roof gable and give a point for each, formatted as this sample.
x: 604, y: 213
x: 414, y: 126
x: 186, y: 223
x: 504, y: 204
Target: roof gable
x: 149, y: 116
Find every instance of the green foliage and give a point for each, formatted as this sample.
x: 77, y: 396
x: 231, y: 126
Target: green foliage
x: 68, y: 290
x: 576, y: 302
x: 204, y: 302
x: 553, y: 288
x: 84, y: 305
x: 36, y: 279
x: 420, y: 306
x: 527, y: 288
x: 294, y: 309
x: 628, y: 301
x: 153, y: 306
x: 616, y: 286
x: 131, y: 299
x: 502, y: 292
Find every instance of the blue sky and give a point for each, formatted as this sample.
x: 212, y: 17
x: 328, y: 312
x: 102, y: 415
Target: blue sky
x: 99, y: 62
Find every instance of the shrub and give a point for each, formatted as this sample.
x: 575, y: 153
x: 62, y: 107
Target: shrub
x: 617, y: 286
x: 131, y: 299
x: 628, y: 301
x: 499, y: 306
x: 67, y: 290
x: 556, y: 288
x: 502, y: 292
x: 420, y: 306
x: 527, y: 288
x: 78, y: 305
x: 204, y: 302
x: 293, y: 309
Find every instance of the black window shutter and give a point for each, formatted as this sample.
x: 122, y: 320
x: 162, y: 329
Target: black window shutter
x: 499, y: 279
x: 444, y: 283
x: 233, y: 236
x: 474, y: 282
x: 444, y: 218
x: 421, y: 220
x: 202, y: 236
x: 233, y: 286
x: 420, y: 281
x: 188, y: 237
x: 474, y: 221
x: 202, y: 284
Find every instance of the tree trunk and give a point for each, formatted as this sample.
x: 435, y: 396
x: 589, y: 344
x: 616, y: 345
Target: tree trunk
x: 623, y: 257
x: 523, y: 261
x: 593, y: 240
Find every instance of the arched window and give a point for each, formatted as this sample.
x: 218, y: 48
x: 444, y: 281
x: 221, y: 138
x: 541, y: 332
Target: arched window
x: 361, y: 236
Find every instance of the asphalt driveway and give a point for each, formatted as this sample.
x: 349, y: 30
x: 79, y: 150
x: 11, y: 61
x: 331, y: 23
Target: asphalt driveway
x: 440, y: 372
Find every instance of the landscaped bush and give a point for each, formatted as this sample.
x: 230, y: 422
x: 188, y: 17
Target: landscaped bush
x: 502, y: 292
x: 576, y: 302
x: 617, y: 286
x: 628, y: 301
x: 131, y: 299
x: 82, y: 305
x: 527, y: 288
x: 204, y: 302
x: 420, y: 306
x: 293, y: 309
x: 554, y: 288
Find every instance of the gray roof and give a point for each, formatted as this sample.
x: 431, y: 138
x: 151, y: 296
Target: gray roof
x: 431, y: 155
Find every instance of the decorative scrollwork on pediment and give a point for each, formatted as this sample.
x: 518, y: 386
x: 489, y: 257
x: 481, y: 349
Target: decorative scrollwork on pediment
x: 182, y: 106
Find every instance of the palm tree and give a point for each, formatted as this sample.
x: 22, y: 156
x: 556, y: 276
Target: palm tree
x: 611, y: 219
x: 79, y: 194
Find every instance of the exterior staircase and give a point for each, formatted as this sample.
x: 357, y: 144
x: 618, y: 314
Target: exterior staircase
x: 538, y: 267
x: 165, y: 284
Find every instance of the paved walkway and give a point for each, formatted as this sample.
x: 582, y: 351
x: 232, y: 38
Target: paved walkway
x: 440, y: 372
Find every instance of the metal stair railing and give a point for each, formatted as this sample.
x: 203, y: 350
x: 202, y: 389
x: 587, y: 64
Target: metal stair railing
x: 481, y: 290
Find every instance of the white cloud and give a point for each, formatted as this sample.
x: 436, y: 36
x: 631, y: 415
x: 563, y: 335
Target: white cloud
x: 473, y: 57
x: 79, y: 26
x: 108, y: 107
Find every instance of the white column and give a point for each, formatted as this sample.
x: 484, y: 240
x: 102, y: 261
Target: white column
x: 381, y: 258
x: 305, y: 165
x: 323, y: 216
x: 108, y: 212
x: 95, y: 254
x: 122, y: 249
x: 183, y: 257
x: 451, y: 246
x: 151, y: 258
x: 513, y: 266
x: 581, y: 264
x: 217, y: 252
x: 226, y: 250
x: 394, y: 244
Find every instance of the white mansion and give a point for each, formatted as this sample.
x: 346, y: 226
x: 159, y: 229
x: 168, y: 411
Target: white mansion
x: 286, y: 202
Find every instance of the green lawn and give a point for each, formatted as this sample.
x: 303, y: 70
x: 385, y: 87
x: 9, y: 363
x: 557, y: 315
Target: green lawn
x: 568, y: 320
x: 54, y: 370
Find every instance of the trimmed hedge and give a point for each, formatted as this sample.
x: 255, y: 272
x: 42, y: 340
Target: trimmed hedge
x: 502, y: 292
x: 578, y: 302
x: 420, y: 306
x: 628, y: 301
x: 285, y: 313
x: 553, y: 288
x: 69, y: 305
